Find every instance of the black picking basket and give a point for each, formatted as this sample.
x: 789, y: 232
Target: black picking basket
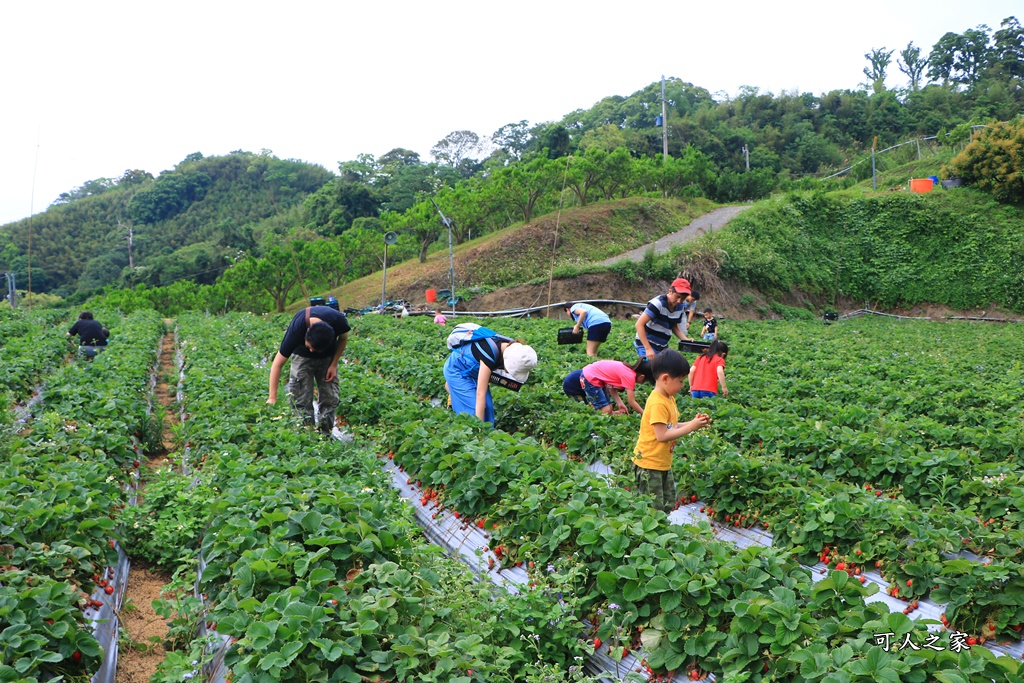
x: 830, y: 317
x: 693, y: 346
x: 565, y: 336
x: 317, y: 301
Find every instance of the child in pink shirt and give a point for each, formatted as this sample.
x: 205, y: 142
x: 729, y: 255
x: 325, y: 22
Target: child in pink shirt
x: 602, y: 381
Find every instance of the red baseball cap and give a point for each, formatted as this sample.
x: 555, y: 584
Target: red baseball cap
x: 680, y: 285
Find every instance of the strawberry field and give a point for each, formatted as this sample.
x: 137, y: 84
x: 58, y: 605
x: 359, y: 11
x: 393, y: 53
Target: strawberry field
x: 877, y: 465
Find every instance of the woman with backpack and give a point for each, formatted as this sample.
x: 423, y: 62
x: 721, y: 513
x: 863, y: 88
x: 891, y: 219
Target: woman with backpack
x: 477, y: 353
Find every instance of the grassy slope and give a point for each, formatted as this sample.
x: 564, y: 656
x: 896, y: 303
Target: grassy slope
x: 958, y: 247
x: 522, y: 253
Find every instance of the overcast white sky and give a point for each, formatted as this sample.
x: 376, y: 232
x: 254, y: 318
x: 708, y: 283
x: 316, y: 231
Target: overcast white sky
x: 90, y: 89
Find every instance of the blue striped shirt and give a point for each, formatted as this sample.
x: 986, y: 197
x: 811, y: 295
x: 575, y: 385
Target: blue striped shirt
x: 663, y: 319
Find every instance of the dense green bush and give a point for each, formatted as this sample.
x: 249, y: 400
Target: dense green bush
x: 957, y: 248
x: 994, y: 161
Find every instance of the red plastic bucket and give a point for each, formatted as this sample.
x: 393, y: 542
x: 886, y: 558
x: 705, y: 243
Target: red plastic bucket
x: 431, y: 296
x: 921, y: 185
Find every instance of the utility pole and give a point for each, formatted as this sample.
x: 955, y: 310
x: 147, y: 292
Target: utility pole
x: 12, y: 292
x: 874, y: 178
x: 384, y: 279
x: 746, y: 154
x: 131, y: 262
x: 664, y: 121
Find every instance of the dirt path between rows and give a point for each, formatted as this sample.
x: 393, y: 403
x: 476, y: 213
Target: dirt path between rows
x: 142, y: 649
x: 706, y: 223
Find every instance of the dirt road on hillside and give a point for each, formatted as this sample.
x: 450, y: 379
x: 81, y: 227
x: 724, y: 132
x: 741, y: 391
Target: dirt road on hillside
x: 706, y: 223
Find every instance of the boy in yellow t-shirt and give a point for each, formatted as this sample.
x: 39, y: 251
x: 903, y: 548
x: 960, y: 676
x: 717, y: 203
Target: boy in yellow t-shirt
x: 659, y: 429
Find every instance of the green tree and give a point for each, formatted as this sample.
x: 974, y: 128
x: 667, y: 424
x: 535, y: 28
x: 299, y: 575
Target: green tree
x: 1008, y: 48
x: 523, y: 185
x: 270, y: 278
x: 89, y: 188
x: 960, y: 59
x: 512, y: 139
x: 994, y: 161
x: 912, y: 65
x: 878, y: 60
x: 456, y: 147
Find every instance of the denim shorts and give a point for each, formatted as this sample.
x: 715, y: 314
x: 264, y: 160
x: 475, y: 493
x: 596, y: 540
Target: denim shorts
x: 710, y: 336
x: 640, y: 351
x: 703, y: 394
x: 596, y: 396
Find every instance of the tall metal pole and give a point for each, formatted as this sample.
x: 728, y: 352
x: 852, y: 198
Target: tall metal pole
x: 451, y: 265
x: 451, y: 256
x: 384, y: 279
x: 664, y: 122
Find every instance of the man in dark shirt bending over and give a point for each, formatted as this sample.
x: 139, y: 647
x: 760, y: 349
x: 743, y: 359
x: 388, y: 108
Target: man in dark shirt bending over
x: 92, y: 336
x: 314, y: 341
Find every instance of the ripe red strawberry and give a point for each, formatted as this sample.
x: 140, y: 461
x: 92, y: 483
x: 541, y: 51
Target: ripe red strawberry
x: 972, y: 641
x: 693, y: 498
x: 76, y: 656
x: 135, y: 464
x: 862, y: 579
x: 841, y: 566
x: 597, y: 643
x: 109, y: 590
x: 910, y: 582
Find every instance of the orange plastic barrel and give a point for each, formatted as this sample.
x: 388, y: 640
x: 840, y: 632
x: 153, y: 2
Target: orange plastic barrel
x: 431, y: 296
x: 921, y: 185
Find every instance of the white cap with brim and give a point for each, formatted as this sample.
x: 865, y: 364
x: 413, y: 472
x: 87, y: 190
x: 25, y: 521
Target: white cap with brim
x: 519, y: 360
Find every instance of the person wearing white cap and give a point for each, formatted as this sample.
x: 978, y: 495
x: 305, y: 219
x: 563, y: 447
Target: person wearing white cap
x: 468, y: 369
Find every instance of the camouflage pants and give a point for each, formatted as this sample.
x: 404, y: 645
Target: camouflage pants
x: 656, y: 483
x: 304, y: 373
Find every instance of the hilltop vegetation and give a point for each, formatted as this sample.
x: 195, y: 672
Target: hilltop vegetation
x: 190, y: 221
x: 290, y: 227
x: 958, y: 248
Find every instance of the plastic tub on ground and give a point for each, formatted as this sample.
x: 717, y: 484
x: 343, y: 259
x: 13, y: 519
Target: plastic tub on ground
x: 921, y: 185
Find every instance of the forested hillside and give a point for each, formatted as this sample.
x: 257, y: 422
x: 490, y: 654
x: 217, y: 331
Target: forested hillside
x: 191, y: 221
x: 290, y: 227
